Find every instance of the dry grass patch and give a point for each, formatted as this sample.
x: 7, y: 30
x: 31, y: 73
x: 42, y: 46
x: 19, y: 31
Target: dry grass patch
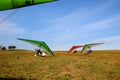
x: 100, y: 65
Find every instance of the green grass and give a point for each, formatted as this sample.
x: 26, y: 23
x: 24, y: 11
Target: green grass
x: 23, y: 65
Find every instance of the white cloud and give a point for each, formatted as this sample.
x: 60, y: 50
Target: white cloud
x: 63, y: 36
x: 82, y: 14
x: 111, y: 39
x: 77, y: 22
x: 10, y: 28
x: 110, y: 43
x: 87, y: 29
x: 100, y: 25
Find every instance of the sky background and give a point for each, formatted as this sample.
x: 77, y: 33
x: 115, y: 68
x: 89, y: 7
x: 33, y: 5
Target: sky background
x: 64, y: 23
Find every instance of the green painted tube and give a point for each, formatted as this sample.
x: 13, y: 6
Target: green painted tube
x: 84, y: 48
x: 13, y: 4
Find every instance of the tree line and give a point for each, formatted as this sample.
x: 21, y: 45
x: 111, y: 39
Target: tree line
x: 9, y: 47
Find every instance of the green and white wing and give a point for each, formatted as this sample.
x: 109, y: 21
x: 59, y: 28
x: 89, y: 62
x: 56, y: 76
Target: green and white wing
x: 41, y: 44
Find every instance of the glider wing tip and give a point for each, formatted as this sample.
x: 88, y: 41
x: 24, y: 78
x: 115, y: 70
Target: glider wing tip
x: 18, y: 38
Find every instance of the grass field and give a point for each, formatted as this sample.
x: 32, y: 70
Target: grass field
x: 23, y: 65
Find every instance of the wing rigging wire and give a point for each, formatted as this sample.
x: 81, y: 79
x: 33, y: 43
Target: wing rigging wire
x: 8, y: 16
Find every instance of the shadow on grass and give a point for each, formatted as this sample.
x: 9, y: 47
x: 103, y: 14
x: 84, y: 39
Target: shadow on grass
x: 9, y: 78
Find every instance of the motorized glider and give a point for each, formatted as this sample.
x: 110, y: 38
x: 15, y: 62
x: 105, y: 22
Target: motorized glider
x: 40, y: 44
x: 86, y: 48
x: 13, y: 4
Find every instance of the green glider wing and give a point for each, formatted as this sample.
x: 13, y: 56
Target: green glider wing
x: 86, y: 46
x: 12, y: 4
x: 41, y: 44
x: 93, y: 44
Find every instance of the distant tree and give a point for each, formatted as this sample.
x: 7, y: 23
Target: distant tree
x: 4, y: 48
x: 11, y: 47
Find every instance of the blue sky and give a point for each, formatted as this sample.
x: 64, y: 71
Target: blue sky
x: 64, y: 23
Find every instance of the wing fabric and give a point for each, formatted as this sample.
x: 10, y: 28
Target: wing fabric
x: 12, y: 4
x: 84, y: 49
x: 73, y: 47
x: 93, y: 44
x: 41, y: 44
x: 86, y: 46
